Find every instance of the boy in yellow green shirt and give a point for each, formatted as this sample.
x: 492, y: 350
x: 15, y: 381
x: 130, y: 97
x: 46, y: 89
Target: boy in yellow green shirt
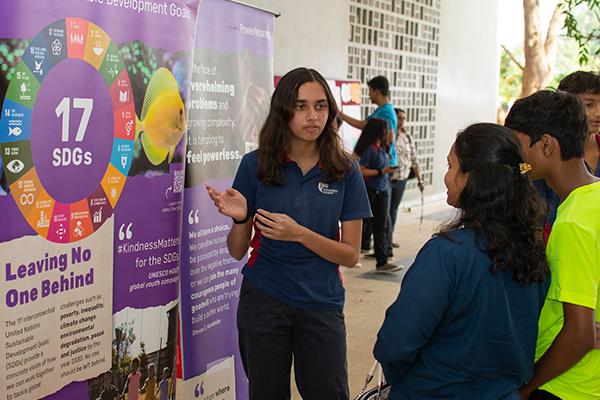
x: 553, y: 128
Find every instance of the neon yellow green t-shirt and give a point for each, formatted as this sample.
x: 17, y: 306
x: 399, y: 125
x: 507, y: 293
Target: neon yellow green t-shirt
x: 574, y: 256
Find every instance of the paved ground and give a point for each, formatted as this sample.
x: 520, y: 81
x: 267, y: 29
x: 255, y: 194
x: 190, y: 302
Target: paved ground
x: 368, y: 294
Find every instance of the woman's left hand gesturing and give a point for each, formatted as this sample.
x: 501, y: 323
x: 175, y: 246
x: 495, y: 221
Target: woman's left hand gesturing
x: 278, y: 226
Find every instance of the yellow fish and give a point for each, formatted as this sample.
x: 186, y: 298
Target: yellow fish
x: 163, y: 121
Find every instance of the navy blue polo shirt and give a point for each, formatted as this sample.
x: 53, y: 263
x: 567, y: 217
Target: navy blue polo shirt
x: 374, y: 157
x: 289, y: 271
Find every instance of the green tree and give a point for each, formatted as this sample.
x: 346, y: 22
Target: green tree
x: 511, y: 73
x: 583, y: 25
x: 144, y: 359
x: 121, y: 349
x: 515, y: 83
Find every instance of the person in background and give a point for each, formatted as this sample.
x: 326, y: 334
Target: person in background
x: 150, y: 382
x: 586, y: 86
x: 109, y: 391
x: 407, y: 163
x: 553, y: 128
x: 372, y: 149
x: 464, y: 324
x: 379, y: 94
x: 305, y: 198
x: 163, y: 386
x: 132, y: 385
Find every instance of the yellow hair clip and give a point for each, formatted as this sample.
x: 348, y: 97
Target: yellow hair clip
x: 524, y: 167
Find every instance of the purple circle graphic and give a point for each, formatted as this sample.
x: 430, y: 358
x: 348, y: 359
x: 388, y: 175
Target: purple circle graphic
x: 72, y: 130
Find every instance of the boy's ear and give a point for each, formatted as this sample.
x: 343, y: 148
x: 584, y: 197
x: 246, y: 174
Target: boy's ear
x: 549, y: 145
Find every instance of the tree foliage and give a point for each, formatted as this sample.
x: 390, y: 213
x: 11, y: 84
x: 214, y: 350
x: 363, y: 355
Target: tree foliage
x: 574, y: 46
x: 121, y: 348
x: 584, y: 28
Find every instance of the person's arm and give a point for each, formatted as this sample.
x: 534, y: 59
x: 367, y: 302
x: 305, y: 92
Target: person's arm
x: 414, y: 162
x: 126, y: 387
x: 575, y: 339
x: 281, y: 227
x: 233, y: 204
x: 357, y: 123
x: 374, y: 172
x: 419, y: 178
x: 418, y: 310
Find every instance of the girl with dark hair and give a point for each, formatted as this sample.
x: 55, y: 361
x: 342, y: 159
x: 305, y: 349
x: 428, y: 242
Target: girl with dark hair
x: 464, y: 325
x: 372, y: 148
x: 294, y: 191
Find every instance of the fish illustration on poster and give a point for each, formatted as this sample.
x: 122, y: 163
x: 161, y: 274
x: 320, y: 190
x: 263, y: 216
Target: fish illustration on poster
x: 231, y: 86
x: 94, y: 101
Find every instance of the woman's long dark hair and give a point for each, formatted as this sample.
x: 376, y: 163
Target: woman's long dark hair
x: 499, y: 202
x: 375, y: 129
x: 275, y: 135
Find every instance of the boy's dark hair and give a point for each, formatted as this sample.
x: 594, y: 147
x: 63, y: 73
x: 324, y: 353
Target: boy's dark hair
x: 580, y: 82
x: 380, y: 83
x: 556, y: 113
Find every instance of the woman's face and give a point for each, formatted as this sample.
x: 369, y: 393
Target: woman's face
x: 310, y: 113
x: 401, y: 120
x: 455, y: 180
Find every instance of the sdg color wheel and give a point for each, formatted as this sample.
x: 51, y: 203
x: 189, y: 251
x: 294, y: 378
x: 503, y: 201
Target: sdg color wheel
x: 67, y: 130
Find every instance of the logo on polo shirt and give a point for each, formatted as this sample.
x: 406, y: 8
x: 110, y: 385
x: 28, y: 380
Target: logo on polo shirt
x: 324, y: 188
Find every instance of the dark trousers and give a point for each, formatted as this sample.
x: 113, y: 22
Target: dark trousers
x: 273, y: 333
x: 396, y: 191
x: 379, y: 208
x: 539, y: 394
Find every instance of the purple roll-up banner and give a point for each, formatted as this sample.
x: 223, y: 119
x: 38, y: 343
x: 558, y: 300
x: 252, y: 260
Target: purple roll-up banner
x: 231, y: 85
x: 94, y: 98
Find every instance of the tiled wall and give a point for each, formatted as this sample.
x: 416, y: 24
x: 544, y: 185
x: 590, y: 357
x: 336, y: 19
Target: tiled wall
x: 399, y: 39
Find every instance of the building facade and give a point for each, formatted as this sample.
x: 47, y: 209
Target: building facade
x: 399, y: 39
x: 440, y: 56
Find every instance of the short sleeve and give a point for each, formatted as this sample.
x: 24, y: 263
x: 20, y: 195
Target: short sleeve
x: 366, y: 157
x: 575, y: 275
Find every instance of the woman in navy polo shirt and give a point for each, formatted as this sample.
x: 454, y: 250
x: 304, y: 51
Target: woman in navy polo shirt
x: 464, y: 325
x: 295, y: 190
x: 372, y: 148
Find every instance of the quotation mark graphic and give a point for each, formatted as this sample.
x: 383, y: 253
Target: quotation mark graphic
x: 193, y: 217
x: 197, y: 392
x: 127, y: 233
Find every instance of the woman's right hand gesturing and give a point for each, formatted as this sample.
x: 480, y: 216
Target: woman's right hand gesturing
x: 230, y: 202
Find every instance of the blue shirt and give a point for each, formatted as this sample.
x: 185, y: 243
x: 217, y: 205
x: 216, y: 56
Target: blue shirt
x: 387, y: 112
x: 289, y: 271
x: 455, y: 330
x: 374, y: 157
